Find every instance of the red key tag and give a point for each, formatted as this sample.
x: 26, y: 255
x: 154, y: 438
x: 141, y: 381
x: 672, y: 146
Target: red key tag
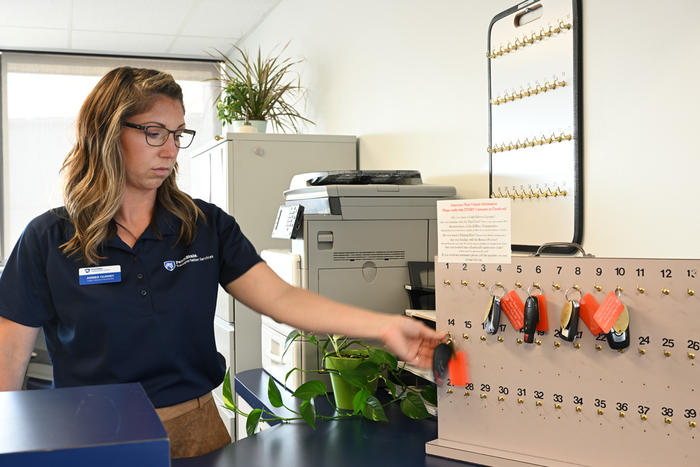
x: 543, y: 323
x: 514, y: 308
x: 608, y: 312
x: 588, y: 306
x: 458, y: 368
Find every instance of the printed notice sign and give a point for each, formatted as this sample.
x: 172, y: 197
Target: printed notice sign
x: 474, y: 231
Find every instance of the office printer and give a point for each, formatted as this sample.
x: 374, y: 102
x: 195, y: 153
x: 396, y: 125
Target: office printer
x: 352, y: 234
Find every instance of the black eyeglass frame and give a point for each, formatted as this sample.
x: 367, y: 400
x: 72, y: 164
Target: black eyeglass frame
x: 145, y: 128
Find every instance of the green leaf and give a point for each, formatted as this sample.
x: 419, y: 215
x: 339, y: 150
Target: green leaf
x: 380, y: 356
x: 310, y: 389
x: 324, y: 348
x: 429, y: 394
x: 252, y: 423
x: 392, y: 387
x: 289, y: 373
x: 308, y: 413
x: 291, y: 337
x: 374, y: 411
x: 227, y: 394
x: 412, y: 406
x: 273, y: 393
x: 360, y: 376
x: 359, y: 402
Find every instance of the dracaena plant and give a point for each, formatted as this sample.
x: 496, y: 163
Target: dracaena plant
x: 260, y: 88
x: 378, y: 365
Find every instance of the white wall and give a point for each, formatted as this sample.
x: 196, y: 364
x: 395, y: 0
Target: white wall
x: 409, y: 78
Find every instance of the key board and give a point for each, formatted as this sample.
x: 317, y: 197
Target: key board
x: 628, y: 397
x: 534, y: 55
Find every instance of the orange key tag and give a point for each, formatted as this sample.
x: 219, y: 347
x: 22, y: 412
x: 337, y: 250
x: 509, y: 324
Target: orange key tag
x: 608, y: 312
x: 543, y: 323
x: 458, y: 368
x: 514, y: 309
x: 588, y: 307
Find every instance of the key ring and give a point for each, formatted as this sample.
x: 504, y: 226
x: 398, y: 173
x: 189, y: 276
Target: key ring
x: 534, y: 285
x: 499, y: 285
x: 566, y: 294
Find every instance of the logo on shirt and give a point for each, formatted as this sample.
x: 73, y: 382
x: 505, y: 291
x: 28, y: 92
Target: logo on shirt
x: 171, y: 265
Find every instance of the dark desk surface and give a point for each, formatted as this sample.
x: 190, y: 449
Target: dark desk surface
x: 108, y: 425
x: 355, y: 442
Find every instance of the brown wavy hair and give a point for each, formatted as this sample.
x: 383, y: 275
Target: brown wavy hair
x: 95, y: 176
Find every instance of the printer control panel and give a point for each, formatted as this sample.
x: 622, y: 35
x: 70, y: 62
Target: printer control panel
x: 288, y: 222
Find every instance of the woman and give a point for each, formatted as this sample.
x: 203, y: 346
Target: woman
x: 123, y: 279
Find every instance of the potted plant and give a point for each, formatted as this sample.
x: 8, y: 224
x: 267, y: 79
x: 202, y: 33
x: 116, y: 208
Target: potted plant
x: 258, y: 90
x: 349, y: 363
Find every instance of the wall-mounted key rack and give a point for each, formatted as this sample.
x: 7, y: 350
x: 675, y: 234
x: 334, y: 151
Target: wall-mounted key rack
x: 535, y: 119
x: 591, y: 400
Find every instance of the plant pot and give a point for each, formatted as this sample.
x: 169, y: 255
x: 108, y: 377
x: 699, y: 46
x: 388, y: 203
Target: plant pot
x: 344, y: 392
x: 259, y: 125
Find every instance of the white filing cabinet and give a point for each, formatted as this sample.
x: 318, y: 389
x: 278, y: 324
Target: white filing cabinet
x: 246, y: 174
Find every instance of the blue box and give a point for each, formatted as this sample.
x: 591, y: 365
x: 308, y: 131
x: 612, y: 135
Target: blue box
x: 104, y: 426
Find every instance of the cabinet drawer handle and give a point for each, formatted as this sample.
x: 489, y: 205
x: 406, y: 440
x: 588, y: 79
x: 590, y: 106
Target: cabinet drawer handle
x: 275, y: 358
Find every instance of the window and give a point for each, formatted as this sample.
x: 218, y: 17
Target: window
x: 41, y: 97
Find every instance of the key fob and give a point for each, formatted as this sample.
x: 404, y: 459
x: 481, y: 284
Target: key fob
x: 441, y: 359
x: 618, y: 341
x: 619, y: 335
x: 569, y: 320
x: 531, y: 317
x: 493, y: 315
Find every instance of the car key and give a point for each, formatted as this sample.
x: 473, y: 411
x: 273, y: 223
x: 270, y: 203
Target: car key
x: 531, y: 317
x: 569, y: 317
x: 449, y: 362
x: 569, y: 320
x: 441, y: 358
x: 619, y: 336
x: 492, y: 318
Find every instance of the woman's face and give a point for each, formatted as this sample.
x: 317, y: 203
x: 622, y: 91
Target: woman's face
x: 148, y: 166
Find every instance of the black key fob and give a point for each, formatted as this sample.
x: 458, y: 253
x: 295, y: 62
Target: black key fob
x: 531, y: 317
x: 618, y: 341
x: 441, y: 358
x: 569, y: 320
x: 619, y: 335
x: 493, y: 315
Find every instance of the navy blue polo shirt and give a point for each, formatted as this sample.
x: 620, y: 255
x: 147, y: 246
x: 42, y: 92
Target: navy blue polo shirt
x: 155, y: 326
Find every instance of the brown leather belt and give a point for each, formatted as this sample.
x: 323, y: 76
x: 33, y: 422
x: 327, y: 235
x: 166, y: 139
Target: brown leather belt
x: 172, y: 411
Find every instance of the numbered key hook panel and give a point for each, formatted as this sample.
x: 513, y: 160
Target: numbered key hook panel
x: 580, y: 402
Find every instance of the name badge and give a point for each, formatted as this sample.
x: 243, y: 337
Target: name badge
x: 100, y: 275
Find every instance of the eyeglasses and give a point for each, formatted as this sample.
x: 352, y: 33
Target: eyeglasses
x: 157, y: 135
